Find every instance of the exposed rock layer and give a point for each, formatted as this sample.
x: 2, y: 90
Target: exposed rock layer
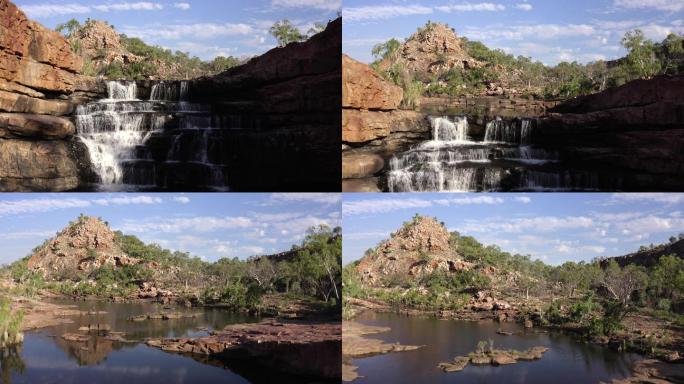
x: 635, y: 130
x: 309, y: 350
x: 38, y: 73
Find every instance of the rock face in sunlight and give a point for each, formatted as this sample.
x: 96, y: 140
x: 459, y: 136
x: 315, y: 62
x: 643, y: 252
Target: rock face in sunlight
x: 294, y: 94
x: 309, y: 350
x: 637, y: 128
x: 38, y: 75
x: 417, y: 249
x: 650, y: 257
x: 82, y: 247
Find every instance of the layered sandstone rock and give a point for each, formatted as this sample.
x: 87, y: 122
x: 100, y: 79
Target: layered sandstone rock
x: 308, y: 350
x: 294, y: 94
x: 418, y: 249
x: 83, y: 246
x: 372, y: 125
x: 38, y: 73
x: 636, y: 130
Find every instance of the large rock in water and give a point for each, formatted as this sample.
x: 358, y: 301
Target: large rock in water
x: 295, y: 94
x: 83, y: 246
x: 417, y: 249
x: 636, y: 131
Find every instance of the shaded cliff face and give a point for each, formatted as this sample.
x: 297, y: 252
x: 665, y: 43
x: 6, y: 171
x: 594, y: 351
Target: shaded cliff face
x: 635, y: 131
x: 650, y: 257
x: 418, y: 248
x: 83, y: 246
x: 293, y: 93
x: 39, y: 81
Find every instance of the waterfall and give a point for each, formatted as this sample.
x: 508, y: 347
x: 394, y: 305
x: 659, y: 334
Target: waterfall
x: 444, y: 129
x: 158, y: 143
x: 169, y: 91
x: 122, y: 90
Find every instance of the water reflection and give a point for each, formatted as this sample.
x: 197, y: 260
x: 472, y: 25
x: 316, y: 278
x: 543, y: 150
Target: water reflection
x: 47, y: 358
x: 10, y: 362
x: 567, y: 361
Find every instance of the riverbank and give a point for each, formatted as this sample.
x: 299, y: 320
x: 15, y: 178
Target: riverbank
x: 637, y: 336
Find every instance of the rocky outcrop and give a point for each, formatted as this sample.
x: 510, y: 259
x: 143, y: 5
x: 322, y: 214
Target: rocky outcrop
x: 85, y: 245
x: 38, y: 73
x: 494, y: 357
x: 416, y: 250
x: 306, y: 350
x: 649, y: 257
x: 434, y: 50
x: 636, y: 131
x: 373, y: 127
x: 293, y: 95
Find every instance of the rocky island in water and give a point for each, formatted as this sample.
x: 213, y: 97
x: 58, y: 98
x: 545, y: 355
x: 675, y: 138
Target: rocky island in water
x: 429, y: 304
x: 92, y: 304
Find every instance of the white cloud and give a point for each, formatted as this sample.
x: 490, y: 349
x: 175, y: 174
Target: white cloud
x: 254, y: 250
x: 523, y: 199
x: 321, y: 198
x: 664, y: 198
x: 178, y: 31
x: 127, y: 200
x: 328, y: 5
x: 539, y: 224
x: 524, y: 6
x: 181, y: 199
x: 468, y: 7
x: 183, y: 6
x: 17, y: 207
x: 540, y: 31
x: 26, y: 235
x: 660, y: 5
x: 392, y: 204
x: 53, y: 9
x: 193, y: 224
x: 382, y: 12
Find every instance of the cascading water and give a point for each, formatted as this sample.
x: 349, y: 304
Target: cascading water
x: 504, y: 158
x: 153, y: 144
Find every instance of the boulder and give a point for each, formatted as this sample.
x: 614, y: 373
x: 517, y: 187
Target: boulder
x: 457, y: 365
x: 14, y: 102
x: 38, y: 165
x: 363, y: 88
x: 503, y: 358
x: 359, y: 125
x: 360, y: 165
x: 76, y: 337
x: 36, y: 126
x: 368, y: 184
x: 480, y: 359
x: 39, y: 76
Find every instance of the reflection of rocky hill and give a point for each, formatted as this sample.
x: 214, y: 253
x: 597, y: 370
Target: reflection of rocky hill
x: 91, y: 352
x: 417, y: 249
x: 651, y: 256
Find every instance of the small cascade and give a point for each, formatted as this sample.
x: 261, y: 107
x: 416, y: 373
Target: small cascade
x: 444, y: 129
x: 162, y: 143
x: 504, y: 159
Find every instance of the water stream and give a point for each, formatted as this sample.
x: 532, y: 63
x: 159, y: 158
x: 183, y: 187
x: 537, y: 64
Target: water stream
x: 161, y: 143
x: 504, y: 158
x: 567, y: 361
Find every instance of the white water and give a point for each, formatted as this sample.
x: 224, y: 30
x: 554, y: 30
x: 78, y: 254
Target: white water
x: 451, y: 161
x: 116, y: 129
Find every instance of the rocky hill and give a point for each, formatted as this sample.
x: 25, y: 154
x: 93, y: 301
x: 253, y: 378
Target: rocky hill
x: 420, y: 247
x: 650, y: 257
x: 84, y: 246
x: 432, y: 51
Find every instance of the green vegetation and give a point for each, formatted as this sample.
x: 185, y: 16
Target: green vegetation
x: 285, y: 32
x: 10, y: 324
x: 155, y: 61
x: 644, y: 59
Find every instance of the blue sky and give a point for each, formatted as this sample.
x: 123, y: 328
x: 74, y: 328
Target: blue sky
x: 548, y: 31
x: 553, y: 227
x: 211, y: 225
x: 205, y: 28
